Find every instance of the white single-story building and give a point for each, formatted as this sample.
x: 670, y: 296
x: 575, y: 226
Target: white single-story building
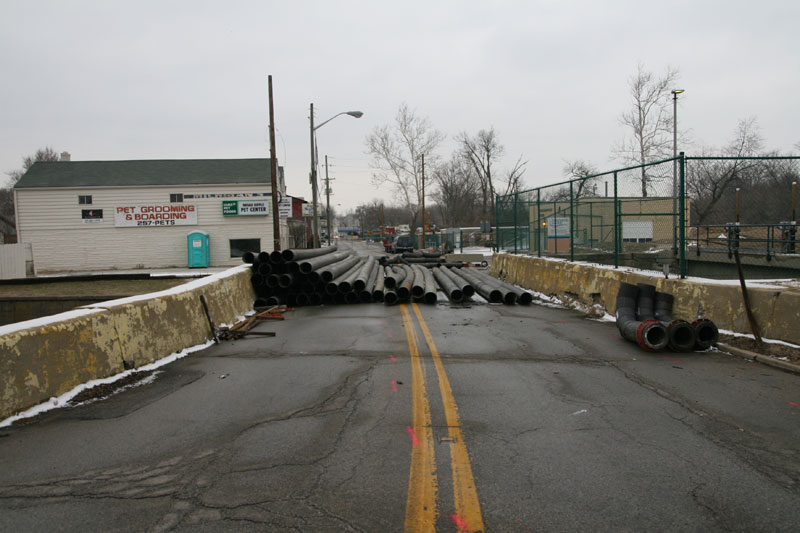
x: 102, y: 215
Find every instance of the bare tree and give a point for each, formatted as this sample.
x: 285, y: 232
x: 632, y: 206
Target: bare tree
x: 7, y: 194
x: 584, y: 174
x: 513, y: 178
x: 397, y: 151
x: 649, y: 120
x: 457, y: 195
x: 709, y: 181
x: 482, y: 151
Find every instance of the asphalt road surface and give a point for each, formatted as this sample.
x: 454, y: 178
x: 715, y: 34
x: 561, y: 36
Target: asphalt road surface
x: 419, y: 418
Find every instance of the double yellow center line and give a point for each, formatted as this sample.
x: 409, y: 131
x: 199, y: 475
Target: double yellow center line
x: 421, y: 505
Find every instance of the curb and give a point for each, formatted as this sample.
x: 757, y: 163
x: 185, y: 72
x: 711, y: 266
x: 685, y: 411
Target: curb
x: 764, y: 359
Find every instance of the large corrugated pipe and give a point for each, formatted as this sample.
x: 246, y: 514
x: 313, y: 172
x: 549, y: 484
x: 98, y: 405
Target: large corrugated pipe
x: 394, y: 276
x: 379, y: 290
x: 650, y: 334
x: 404, y: 290
x: 454, y: 294
x: 465, y: 286
x: 522, y: 296
x: 306, y: 253
x: 682, y: 336
x: 334, y: 270
x: 313, y: 263
x: 364, y: 274
x: 418, y: 287
x: 346, y: 283
x: 429, y: 297
x: 390, y: 297
x: 491, y: 293
x: 707, y: 333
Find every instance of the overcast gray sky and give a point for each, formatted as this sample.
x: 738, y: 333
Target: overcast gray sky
x: 146, y: 79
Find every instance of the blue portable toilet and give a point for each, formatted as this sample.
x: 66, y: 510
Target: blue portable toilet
x: 199, y: 253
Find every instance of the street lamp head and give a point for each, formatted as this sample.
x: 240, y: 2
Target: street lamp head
x: 357, y: 114
x: 677, y: 91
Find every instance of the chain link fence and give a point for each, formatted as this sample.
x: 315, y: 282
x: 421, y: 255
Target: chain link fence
x: 661, y: 216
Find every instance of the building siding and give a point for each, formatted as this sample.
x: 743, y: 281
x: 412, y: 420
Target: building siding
x: 50, y: 220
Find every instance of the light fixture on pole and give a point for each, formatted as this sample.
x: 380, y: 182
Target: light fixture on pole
x: 314, y: 194
x: 675, y: 94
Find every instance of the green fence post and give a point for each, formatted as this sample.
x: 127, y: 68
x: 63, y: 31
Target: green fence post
x: 496, y: 223
x: 683, y: 216
x: 539, y: 222
x: 616, y: 224
x: 515, y: 223
x: 571, y: 223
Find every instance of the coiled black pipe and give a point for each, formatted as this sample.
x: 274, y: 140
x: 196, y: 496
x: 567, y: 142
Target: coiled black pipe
x: 650, y: 334
x: 706, y: 332
x: 682, y: 336
x: 645, y: 301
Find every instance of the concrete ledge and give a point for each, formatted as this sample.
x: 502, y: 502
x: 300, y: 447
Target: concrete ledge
x: 788, y: 366
x: 47, y: 357
x: 777, y: 311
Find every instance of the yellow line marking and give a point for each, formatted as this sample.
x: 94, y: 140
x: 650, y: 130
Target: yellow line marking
x: 468, y: 508
x: 421, y: 511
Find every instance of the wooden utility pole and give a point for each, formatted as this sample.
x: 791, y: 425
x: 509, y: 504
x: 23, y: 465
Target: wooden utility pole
x: 423, y: 201
x: 276, y: 221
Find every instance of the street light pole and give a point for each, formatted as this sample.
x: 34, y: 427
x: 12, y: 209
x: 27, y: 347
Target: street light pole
x: 314, y: 192
x: 328, y: 201
x: 675, y: 94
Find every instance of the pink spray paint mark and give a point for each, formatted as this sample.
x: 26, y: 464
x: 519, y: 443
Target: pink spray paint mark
x: 414, y: 439
x: 382, y: 323
x: 392, y: 358
x: 794, y: 404
x: 389, y: 335
x: 672, y: 359
x: 459, y: 522
x: 394, y: 385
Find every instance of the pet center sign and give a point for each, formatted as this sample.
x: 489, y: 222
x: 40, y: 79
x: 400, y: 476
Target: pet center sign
x: 235, y: 208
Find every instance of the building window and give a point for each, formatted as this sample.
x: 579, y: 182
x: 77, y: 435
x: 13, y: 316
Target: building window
x: 240, y: 246
x: 85, y: 199
x: 176, y: 197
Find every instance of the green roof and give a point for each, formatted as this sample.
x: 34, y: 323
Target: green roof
x: 45, y: 174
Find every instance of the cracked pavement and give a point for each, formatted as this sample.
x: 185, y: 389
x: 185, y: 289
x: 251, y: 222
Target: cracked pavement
x: 568, y: 427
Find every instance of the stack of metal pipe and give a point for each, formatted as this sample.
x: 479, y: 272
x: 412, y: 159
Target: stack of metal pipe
x: 327, y: 275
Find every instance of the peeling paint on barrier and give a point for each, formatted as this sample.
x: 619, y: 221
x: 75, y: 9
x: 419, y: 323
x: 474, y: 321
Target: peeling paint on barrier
x: 47, y: 357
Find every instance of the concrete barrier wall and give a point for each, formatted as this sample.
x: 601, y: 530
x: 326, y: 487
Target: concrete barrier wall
x: 47, y: 357
x: 777, y: 311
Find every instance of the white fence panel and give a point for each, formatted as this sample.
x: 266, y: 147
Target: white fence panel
x: 12, y: 260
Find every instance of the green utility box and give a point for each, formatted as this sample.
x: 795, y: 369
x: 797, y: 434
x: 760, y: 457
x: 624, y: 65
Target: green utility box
x: 198, y: 249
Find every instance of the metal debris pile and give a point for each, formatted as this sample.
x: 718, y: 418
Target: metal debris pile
x: 328, y: 276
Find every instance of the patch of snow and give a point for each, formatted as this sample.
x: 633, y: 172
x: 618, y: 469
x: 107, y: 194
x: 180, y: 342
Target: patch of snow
x: 63, y: 400
x: 751, y: 336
